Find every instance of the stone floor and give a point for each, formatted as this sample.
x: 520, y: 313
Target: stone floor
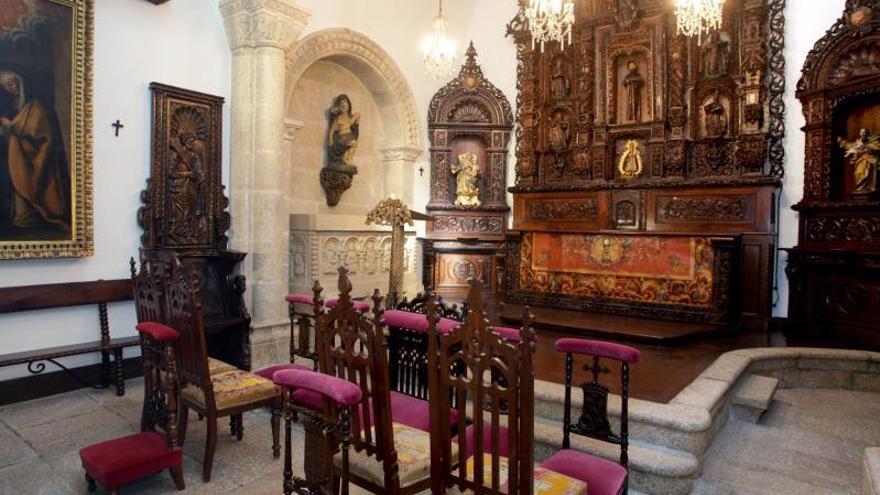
x: 810, y: 441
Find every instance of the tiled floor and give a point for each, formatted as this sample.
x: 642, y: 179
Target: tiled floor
x: 810, y: 441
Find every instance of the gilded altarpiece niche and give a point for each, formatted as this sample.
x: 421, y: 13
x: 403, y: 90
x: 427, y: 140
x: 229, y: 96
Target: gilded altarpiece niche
x: 834, y: 270
x: 631, y: 109
x: 470, y: 123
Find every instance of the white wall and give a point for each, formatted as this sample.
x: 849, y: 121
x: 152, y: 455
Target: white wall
x: 181, y: 43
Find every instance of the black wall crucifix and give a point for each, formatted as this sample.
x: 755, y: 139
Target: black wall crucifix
x: 118, y: 125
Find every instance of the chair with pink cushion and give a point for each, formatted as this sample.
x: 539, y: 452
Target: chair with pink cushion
x: 121, y: 461
x: 604, y: 477
x: 340, y: 396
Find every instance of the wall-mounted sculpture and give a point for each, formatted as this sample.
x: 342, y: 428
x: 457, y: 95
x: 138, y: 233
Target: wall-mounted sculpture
x: 469, y: 123
x: 834, y: 271
x: 342, y: 142
x: 633, y: 118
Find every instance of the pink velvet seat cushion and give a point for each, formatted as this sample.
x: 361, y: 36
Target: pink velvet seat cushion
x: 125, y: 460
x: 603, y: 477
x: 268, y: 371
x: 300, y: 299
x: 157, y: 331
x: 405, y: 409
x: 343, y: 392
x: 416, y: 322
x: 599, y: 348
x: 470, y: 437
x: 360, y: 306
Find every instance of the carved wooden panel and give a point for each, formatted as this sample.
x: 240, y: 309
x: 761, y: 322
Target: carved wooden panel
x: 454, y: 270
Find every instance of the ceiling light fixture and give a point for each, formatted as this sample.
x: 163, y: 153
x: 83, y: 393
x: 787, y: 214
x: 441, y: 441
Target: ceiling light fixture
x: 438, y: 49
x: 695, y: 17
x: 550, y: 20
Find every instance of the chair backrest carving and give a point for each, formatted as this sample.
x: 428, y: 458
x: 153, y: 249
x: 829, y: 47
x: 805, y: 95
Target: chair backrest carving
x: 351, y: 346
x: 185, y: 315
x: 148, y: 289
x: 475, y: 367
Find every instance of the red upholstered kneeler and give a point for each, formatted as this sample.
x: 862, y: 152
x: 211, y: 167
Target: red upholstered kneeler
x: 121, y: 461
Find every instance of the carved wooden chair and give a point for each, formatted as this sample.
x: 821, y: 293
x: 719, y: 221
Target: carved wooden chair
x: 213, y: 395
x: 334, y: 422
x: 121, y: 461
x: 352, y: 346
x: 489, y: 377
x: 604, y: 477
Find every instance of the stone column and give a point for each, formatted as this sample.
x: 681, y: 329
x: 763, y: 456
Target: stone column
x: 399, y: 164
x: 259, y: 32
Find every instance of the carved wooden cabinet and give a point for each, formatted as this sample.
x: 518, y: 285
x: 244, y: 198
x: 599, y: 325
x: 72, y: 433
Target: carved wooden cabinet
x: 648, y: 164
x: 469, y: 120
x: 184, y: 213
x: 834, y: 271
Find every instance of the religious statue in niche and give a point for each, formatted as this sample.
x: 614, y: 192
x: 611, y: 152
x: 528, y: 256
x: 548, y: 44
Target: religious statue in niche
x: 559, y: 136
x: 633, y: 83
x: 186, y: 176
x: 559, y: 82
x: 715, y: 117
x: 342, y: 143
x: 864, y: 154
x: 630, y: 165
x: 467, y: 173
x: 716, y: 56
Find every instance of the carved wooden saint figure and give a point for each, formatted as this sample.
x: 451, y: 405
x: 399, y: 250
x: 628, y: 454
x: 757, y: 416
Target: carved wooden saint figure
x: 186, y: 174
x: 715, y: 117
x: 633, y: 82
x: 559, y: 83
x: 716, y: 56
x: 558, y: 136
x: 342, y: 135
x: 864, y: 153
x: 467, y: 173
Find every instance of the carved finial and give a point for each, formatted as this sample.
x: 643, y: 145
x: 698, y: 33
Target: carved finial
x: 431, y: 310
x: 317, y: 290
x: 344, y: 283
x: 132, y: 266
x: 527, y: 333
x: 471, y: 54
x: 471, y: 74
x: 377, y: 303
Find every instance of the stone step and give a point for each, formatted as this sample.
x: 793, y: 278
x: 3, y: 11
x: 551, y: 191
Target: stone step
x: 752, y: 398
x: 871, y: 472
x: 653, y: 469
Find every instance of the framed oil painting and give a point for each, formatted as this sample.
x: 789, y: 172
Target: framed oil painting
x: 45, y: 128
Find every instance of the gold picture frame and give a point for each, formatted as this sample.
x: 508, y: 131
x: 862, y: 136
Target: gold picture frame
x: 46, y: 50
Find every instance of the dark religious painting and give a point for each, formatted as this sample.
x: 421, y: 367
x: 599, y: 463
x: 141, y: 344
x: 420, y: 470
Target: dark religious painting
x: 45, y: 128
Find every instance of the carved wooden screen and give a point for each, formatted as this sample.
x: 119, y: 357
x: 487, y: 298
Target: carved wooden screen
x: 833, y: 271
x: 184, y: 205
x: 634, y: 139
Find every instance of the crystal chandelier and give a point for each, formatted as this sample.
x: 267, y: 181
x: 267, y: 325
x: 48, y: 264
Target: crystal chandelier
x: 695, y: 17
x: 550, y: 20
x: 438, y: 50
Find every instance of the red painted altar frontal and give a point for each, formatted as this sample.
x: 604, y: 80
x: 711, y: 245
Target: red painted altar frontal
x: 671, y: 270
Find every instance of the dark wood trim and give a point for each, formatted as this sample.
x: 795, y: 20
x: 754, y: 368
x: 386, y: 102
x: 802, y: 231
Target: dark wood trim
x: 32, y: 297
x: 57, y: 382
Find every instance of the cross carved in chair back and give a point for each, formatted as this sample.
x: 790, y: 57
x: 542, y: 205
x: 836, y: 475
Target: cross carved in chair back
x: 474, y: 367
x: 351, y: 346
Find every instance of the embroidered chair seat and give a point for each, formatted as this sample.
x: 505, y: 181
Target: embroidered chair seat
x: 546, y: 481
x: 215, y: 366
x: 121, y: 461
x: 604, y: 477
x: 234, y: 388
x: 413, y: 448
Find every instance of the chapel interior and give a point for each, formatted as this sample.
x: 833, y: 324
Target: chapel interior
x: 542, y: 247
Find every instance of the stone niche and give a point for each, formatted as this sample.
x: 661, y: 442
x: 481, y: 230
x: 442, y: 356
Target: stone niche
x: 320, y: 244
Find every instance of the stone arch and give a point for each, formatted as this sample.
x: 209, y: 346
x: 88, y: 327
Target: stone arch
x: 373, y: 66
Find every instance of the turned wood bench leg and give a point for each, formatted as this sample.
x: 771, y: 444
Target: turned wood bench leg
x: 120, y: 379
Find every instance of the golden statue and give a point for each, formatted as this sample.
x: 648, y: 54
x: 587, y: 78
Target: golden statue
x: 864, y: 153
x: 467, y: 189
x: 630, y: 165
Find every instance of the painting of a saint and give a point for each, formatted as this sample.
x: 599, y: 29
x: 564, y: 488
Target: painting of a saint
x: 44, y: 128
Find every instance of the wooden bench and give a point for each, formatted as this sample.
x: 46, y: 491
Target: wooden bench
x: 49, y: 296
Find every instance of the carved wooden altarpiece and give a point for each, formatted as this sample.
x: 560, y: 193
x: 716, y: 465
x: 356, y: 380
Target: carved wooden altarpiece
x: 184, y: 213
x: 648, y: 164
x: 467, y: 116
x: 834, y: 271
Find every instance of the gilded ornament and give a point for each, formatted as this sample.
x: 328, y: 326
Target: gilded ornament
x: 630, y: 165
